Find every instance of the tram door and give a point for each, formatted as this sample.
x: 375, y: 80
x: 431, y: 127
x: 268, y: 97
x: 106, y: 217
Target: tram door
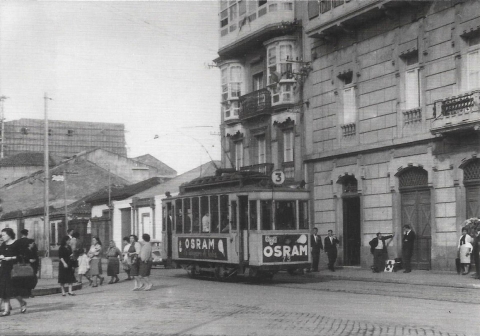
x: 242, y: 228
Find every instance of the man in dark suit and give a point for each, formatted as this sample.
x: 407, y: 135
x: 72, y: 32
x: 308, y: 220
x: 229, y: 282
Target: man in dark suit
x: 330, y: 245
x: 23, y: 240
x: 407, y: 247
x: 317, y: 245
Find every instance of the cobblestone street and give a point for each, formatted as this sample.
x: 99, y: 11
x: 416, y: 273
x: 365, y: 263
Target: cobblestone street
x: 299, y: 305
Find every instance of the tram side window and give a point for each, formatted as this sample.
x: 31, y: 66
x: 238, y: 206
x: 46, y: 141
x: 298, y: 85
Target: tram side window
x: 253, y: 215
x: 224, y: 220
x: 187, y: 215
x: 234, y: 215
x: 285, y: 215
x: 303, y: 214
x: 178, y: 216
x: 204, y: 211
x: 214, y: 214
x: 266, y: 214
x: 195, y: 215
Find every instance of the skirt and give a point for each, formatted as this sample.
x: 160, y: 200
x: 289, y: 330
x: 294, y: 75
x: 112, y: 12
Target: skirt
x: 66, y: 275
x: 95, y: 267
x: 144, y: 268
x: 134, y: 267
x: 113, y: 267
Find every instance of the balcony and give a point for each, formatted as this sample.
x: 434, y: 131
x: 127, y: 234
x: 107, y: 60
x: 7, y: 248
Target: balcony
x: 264, y: 168
x: 255, y: 103
x: 344, y: 16
x: 349, y: 130
x: 243, y: 28
x: 458, y: 113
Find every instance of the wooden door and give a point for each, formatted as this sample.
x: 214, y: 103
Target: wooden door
x: 126, y: 220
x: 416, y: 212
x: 473, y: 201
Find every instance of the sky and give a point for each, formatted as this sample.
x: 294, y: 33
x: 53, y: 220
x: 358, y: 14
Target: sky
x: 140, y: 63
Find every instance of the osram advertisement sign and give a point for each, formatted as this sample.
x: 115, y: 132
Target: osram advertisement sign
x: 285, y: 248
x: 202, y: 248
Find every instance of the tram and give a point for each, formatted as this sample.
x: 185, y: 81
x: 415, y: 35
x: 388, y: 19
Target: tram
x: 237, y: 224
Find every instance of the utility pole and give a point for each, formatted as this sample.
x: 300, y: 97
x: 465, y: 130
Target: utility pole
x: 2, y: 127
x: 46, y: 266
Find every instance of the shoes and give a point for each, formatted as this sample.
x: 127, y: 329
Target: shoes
x: 5, y: 313
x: 63, y: 294
x: 465, y: 273
x: 110, y: 282
x: 101, y: 281
x: 23, y: 308
x: 116, y: 280
x: 72, y: 294
x: 147, y: 288
x: 90, y: 282
x: 407, y: 271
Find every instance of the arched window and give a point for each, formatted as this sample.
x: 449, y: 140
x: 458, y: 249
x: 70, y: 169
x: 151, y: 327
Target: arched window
x: 413, y: 177
x: 471, y: 172
x: 349, y: 185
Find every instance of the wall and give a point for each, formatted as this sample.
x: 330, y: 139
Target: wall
x: 10, y: 174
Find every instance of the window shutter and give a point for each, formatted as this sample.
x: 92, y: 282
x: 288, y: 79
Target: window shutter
x: 412, y: 94
x: 473, y: 69
x: 313, y: 9
x: 349, y: 107
x: 261, y: 149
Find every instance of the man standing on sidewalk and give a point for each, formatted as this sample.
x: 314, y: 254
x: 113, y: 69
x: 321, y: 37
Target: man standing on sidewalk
x: 330, y: 244
x: 407, y: 248
x: 316, y: 247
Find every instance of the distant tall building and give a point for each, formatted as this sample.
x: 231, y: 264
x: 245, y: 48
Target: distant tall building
x: 66, y: 138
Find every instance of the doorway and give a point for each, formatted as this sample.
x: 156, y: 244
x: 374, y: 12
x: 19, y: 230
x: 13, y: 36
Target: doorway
x: 351, y: 231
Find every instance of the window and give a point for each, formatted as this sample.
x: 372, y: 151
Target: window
x: 285, y: 215
x: 232, y: 87
x: 266, y: 215
x: 288, y: 142
x: 257, y: 81
x: 349, y: 106
x: 70, y: 132
x: 325, y: 6
x: 412, y: 82
x: 262, y: 157
x: 205, y: 223
x: 280, y: 71
x: 238, y: 155
x: 187, y: 215
x: 233, y: 221
x: 253, y: 215
x: 303, y: 214
x: 214, y: 214
x: 473, y: 69
x: 313, y: 9
x: 224, y: 216
x: 178, y: 216
x: 261, y: 3
x: 195, y: 215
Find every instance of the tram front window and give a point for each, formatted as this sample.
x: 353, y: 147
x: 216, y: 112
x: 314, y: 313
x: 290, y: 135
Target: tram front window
x: 178, y: 216
x: 224, y: 220
x: 285, y: 215
x: 303, y: 214
x: 205, y: 214
x: 266, y: 214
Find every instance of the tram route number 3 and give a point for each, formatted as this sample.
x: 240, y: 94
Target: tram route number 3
x: 278, y: 177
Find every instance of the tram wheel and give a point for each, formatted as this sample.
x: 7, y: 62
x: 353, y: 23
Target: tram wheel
x: 291, y: 271
x: 193, y: 271
x: 220, y: 273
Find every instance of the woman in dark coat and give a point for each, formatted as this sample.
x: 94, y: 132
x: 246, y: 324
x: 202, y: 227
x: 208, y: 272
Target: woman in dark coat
x: 10, y: 251
x: 66, y: 273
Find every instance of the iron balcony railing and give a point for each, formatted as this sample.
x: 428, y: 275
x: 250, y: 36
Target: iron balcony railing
x: 255, y: 103
x: 264, y: 168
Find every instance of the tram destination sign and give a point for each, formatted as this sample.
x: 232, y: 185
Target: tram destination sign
x: 285, y: 248
x: 202, y: 248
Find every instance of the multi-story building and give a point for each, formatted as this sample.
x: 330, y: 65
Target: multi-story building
x: 66, y: 138
x: 391, y: 131
x: 382, y: 123
x: 261, y: 89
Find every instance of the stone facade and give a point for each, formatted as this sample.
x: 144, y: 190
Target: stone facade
x: 374, y: 48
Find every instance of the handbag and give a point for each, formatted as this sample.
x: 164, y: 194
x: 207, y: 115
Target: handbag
x: 21, y: 271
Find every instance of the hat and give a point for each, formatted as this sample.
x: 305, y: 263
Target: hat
x: 24, y: 232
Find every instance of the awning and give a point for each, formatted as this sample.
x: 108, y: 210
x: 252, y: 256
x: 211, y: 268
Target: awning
x: 282, y: 117
x: 233, y: 130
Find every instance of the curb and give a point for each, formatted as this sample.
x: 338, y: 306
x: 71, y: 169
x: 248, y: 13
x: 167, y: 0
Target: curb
x: 52, y: 290
x: 401, y: 281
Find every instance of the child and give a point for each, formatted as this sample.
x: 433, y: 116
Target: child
x: 83, y: 265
